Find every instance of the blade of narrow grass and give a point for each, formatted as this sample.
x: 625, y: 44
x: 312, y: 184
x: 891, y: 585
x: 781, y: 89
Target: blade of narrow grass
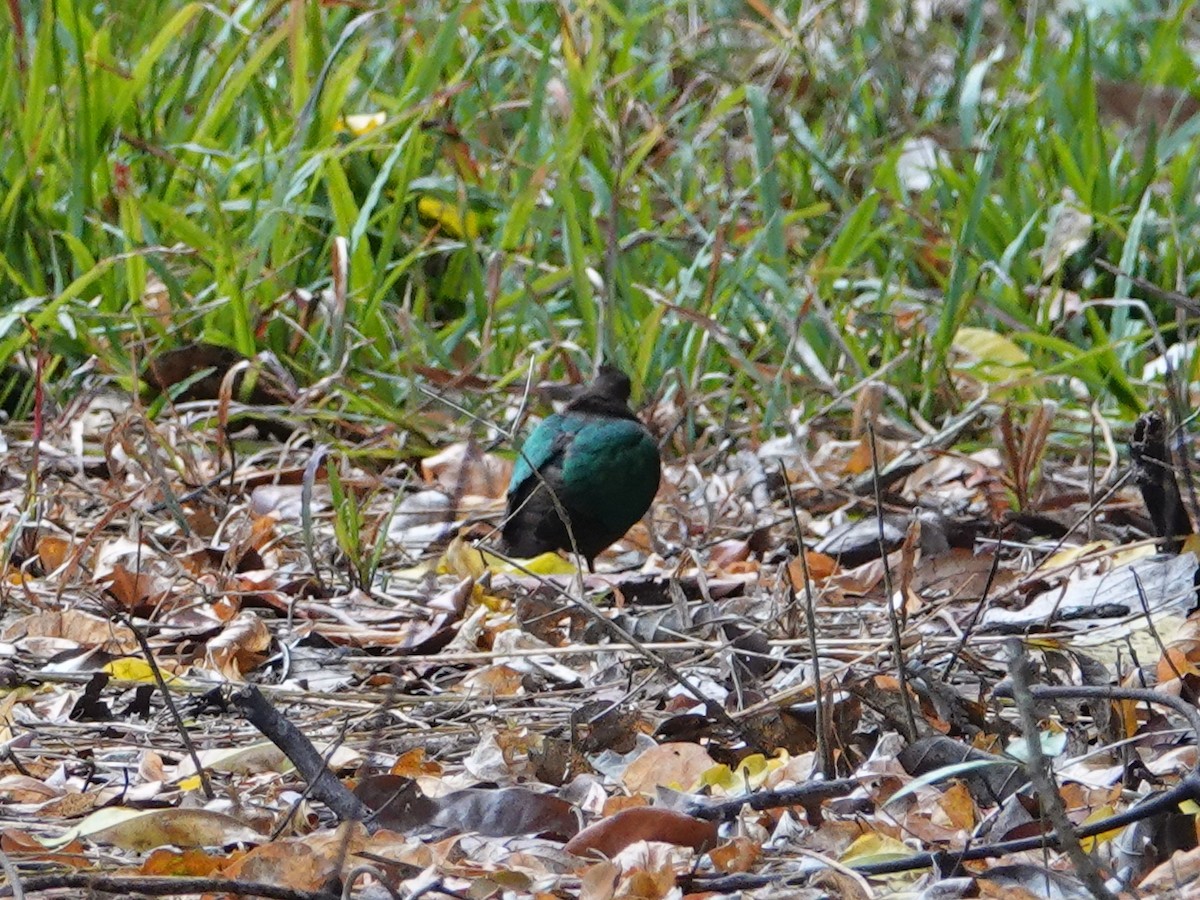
x: 768, y: 179
x: 1120, y: 325
x: 956, y: 305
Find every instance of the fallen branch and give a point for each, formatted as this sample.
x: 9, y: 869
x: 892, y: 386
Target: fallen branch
x: 800, y: 795
x: 323, y: 784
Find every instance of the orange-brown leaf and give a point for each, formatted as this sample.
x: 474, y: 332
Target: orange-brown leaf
x: 610, y: 836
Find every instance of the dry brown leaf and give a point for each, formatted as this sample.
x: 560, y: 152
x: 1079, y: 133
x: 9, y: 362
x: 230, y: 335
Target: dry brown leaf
x: 22, y: 844
x: 726, y: 553
x: 959, y: 807
x: 79, y: 628
x: 820, y: 567
x: 736, y: 855
x: 400, y: 805
x: 610, y: 836
x: 23, y: 789
x: 647, y: 882
x: 497, y: 681
x: 288, y: 863
x: 140, y: 593
x: 860, y: 459
x: 147, y: 829
x: 463, y: 469
x: 52, y: 552
x: 413, y: 764
x: 676, y: 765
x: 183, y: 863
x: 599, y: 881
x: 1178, y: 872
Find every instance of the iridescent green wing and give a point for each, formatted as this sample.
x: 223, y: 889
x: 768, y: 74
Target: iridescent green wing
x: 542, y: 448
x: 611, y: 470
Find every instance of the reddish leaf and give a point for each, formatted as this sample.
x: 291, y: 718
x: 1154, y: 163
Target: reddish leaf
x: 610, y: 836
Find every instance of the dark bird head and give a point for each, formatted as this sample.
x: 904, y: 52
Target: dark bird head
x: 607, y: 395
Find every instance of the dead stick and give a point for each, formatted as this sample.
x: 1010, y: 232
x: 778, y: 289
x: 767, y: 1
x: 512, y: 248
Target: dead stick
x: 299, y: 749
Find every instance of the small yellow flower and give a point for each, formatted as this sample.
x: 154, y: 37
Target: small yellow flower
x: 361, y: 123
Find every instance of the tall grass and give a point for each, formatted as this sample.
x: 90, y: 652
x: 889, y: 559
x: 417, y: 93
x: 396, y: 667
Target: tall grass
x: 719, y: 195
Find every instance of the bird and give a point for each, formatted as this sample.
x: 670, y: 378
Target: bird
x: 584, y: 476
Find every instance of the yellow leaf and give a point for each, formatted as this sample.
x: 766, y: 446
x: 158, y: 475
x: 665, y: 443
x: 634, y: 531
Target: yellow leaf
x: 463, y: 560
x: 1069, y: 555
x: 990, y: 356
x: 719, y: 775
x: 751, y: 772
x: 1089, y: 843
x: 545, y: 564
x: 133, y: 668
x: 191, y: 783
x: 1142, y: 551
x: 447, y: 215
x: 467, y: 561
x: 1191, y: 545
x: 490, y: 601
x: 874, y: 847
x: 860, y: 459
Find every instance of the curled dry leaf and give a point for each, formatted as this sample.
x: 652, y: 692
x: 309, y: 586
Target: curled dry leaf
x: 239, y: 648
x: 72, y: 854
x: 79, y: 628
x: 820, y: 567
x: 138, y: 592
x: 52, y: 552
x: 305, y: 863
x: 414, y: 763
x: 23, y: 789
x: 1180, y: 660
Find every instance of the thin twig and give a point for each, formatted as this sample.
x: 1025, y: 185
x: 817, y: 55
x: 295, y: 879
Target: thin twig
x: 889, y: 601
x: 824, y: 726
x: 168, y: 700
x: 310, y: 765
x: 1037, y: 766
x: 14, y: 877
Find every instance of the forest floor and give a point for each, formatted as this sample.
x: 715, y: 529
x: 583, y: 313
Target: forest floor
x: 794, y: 678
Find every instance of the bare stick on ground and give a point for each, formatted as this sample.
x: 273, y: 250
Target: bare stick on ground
x: 309, y: 763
